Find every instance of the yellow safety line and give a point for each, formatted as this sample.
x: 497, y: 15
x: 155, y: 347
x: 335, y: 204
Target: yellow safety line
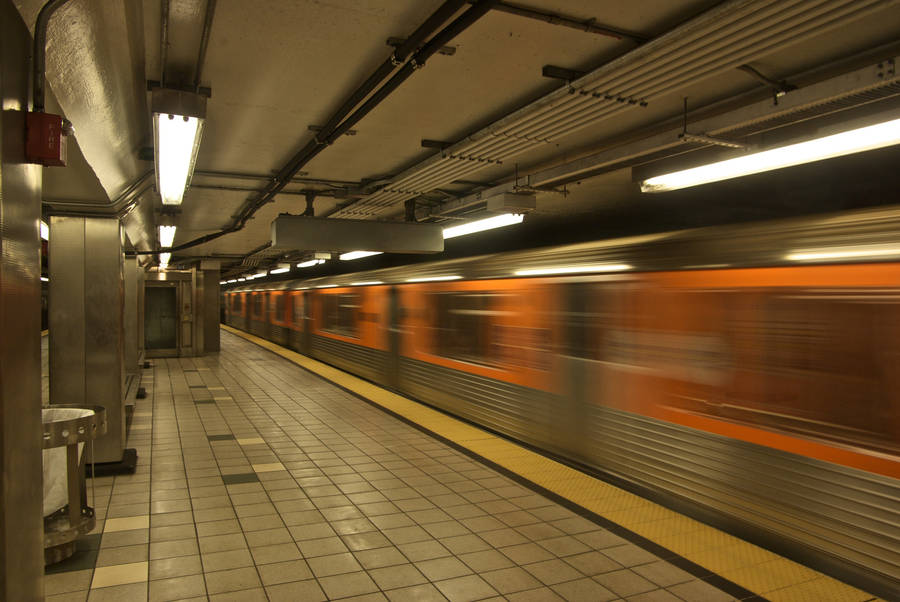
x: 754, y: 568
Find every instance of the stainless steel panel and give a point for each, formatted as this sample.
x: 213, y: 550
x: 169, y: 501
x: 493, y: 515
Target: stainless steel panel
x: 161, y: 319
x: 300, y: 232
x: 211, y: 310
x: 132, y: 354
x: 66, y: 310
x: 21, y: 528
x: 103, y: 316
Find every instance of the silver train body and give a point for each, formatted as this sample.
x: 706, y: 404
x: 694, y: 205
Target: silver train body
x: 796, y: 317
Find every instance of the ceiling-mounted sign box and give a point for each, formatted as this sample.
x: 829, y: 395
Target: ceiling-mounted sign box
x: 295, y: 232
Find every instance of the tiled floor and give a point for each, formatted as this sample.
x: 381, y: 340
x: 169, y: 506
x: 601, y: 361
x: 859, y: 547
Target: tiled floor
x: 257, y: 480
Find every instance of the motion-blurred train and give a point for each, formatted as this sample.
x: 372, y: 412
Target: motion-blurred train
x: 749, y: 374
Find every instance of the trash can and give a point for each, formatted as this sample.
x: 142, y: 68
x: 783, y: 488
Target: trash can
x: 66, y: 513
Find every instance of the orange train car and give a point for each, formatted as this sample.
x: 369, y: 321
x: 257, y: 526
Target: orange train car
x: 746, y: 375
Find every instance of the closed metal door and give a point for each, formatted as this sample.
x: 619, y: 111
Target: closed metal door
x: 161, y: 320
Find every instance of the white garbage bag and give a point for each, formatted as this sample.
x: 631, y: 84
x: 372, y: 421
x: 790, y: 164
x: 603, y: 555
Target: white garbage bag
x: 56, y: 489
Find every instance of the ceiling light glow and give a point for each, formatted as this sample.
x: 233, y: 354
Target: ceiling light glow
x: 166, y: 236
x: 845, y: 253
x: 164, y: 260
x: 45, y: 231
x: 310, y: 263
x: 434, y: 278
x: 497, y: 221
x: 358, y: 255
x: 369, y: 283
x: 326, y: 286
x: 837, y: 145
x: 44, y: 279
x: 177, y: 142
x: 574, y: 269
x: 279, y: 270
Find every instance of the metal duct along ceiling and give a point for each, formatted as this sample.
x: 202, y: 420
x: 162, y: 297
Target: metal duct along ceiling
x: 721, y: 39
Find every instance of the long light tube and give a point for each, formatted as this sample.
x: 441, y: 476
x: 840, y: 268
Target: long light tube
x: 164, y: 260
x: 434, y: 278
x: 177, y: 140
x: 279, y: 270
x: 358, y: 255
x: 497, y: 221
x: 45, y: 231
x: 837, y: 145
x: 845, y: 253
x: 310, y: 263
x: 574, y: 269
x: 166, y: 236
x: 368, y: 283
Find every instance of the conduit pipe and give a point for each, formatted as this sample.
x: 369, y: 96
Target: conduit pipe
x: 533, y: 134
x: 661, y: 70
x: 39, y: 53
x: 339, y: 122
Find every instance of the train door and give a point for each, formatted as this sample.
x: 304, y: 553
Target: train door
x: 578, y: 356
x: 393, y: 376
x: 306, y: 347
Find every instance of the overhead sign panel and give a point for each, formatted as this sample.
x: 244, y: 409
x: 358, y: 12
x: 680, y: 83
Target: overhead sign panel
x: 296, y: 232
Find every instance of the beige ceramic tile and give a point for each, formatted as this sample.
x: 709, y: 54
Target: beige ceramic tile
x: 120, y: 574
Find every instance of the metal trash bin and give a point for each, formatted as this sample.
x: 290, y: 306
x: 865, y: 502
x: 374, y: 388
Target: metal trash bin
x: 66, y: 513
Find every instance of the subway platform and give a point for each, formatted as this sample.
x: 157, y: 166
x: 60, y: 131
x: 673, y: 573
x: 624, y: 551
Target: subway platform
x: 258, y: 479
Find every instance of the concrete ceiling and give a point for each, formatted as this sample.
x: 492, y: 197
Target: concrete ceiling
x: 275, y: 68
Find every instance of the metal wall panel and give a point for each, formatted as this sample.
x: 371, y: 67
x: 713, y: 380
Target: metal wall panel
x: 87, y: 298
x: 211, y: 309
x: 132, y: 353
x: 21, y: 528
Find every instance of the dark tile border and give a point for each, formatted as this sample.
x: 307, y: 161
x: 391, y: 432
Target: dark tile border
x: 228, y: 437
x: 243, y: 477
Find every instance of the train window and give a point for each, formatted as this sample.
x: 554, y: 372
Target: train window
x: 258, y: 301
x: 339, y: 314
x: 278, y: 308
x: 461, y: 324
x: 236, y: 303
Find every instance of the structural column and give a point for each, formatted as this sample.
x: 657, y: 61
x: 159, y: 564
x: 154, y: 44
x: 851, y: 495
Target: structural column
x: 210, y: 305
x: 21, y: 495
x: 87, y: 321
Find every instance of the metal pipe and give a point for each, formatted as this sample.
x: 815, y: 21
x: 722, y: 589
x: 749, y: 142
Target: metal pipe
x: 335, y: 127
x: 164, y: 41
x: 132, y: 190
x: 39, y: 52
x: 497, y: 147
x: 204, y: 41
x: 554, y: 19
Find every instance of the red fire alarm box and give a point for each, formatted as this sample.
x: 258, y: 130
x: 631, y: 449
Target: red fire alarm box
x: 46, y: 139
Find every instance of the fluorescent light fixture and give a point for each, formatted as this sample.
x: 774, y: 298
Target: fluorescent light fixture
x: 241, y: 279
x: 166, y: 236
x: 843, y: 253
x: 232, y: 281
x: 434, y: 279
x: 574, y: 269
x: 178, y: 118
x: 279, y: 270
x: 177, y: 142
x: 837, y: 145
x: 221, y: 282
x: 370, y: 283
x: 44, y: 279
x: 164, y: 260
x: 359, y: 255
x: 45, y: 231
x: 310, y: 263
x: 497, y: 221
x: 326, y: 286
x: 261, y: 273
